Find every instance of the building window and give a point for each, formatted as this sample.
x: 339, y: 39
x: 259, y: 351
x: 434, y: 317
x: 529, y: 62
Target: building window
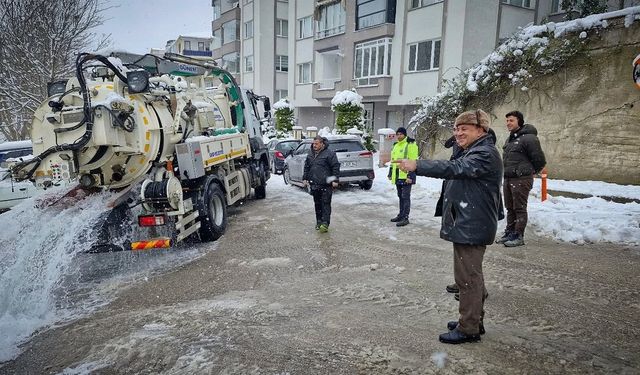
x: 282, y: 63
x: 248, y: 63
x: 200, y: 46
x: 331, y: 20
x: 372, y: 60
x: 282, y: 28
x: 521, y: 3
x: 229, y: 32
x: 187, y: 44
x: 216, y: 9
x: 304, y: 73
x: 217, y: 38
x: 305, y: 27
x: 556, y: 7
x: 424, y: 56
x: 230, y: 62
x: 374, y: 12
x: 248, y: 29
x: 281, y: 94
x: 245, y: 2
x: 423, y: 3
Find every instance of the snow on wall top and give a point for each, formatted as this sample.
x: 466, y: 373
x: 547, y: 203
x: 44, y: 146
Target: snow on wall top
x: 531, y: 37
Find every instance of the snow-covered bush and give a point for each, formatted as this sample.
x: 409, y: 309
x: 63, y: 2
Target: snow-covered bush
x: 347, y: 105
x: 529, y: 54
x: 284, y: 117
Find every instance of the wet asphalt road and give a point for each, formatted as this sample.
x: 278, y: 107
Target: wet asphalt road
x: 273, y: 296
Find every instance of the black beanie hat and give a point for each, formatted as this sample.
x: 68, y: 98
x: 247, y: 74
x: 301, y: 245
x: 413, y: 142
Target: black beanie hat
x: 402, y: 130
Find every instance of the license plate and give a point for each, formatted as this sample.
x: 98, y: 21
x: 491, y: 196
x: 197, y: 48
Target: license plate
x: 348, y: 164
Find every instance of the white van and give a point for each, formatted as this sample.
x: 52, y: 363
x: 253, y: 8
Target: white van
x: 12, y: 192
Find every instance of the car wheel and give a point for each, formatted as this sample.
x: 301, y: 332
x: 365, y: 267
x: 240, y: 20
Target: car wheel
x: 286, y: 175
x: 366, y: 185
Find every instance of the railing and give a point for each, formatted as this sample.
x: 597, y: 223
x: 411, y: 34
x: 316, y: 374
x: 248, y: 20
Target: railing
x: 191, y: 52
x: 329, y: 32
x: 327, y: 83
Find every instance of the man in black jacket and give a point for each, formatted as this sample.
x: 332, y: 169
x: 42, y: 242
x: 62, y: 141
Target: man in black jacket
x: 321, y: 171
x: 470, y: 212
x: 523, y: 157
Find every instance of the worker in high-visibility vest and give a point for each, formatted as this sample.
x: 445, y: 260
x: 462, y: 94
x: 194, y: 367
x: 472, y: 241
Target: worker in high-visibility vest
x: 404, y: 148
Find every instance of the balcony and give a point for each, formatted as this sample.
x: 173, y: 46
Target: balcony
x: 197, y: 53
x: 373, y: 87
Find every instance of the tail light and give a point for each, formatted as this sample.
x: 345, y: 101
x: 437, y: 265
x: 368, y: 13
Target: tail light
x: 151, y: 220
x: 366, y: 154
x: 279, y: 155
x: 371, y: 175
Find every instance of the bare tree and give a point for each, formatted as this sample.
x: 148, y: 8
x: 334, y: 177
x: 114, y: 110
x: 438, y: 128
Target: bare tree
x: 38, y: 44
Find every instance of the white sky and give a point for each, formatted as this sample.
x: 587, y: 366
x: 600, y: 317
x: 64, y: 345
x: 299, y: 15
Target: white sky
x: 139, y: 25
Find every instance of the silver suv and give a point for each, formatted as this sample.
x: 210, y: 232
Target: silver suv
x: 356, y: 163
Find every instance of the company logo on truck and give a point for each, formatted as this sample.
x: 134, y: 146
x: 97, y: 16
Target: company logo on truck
x: 188, y: 68
x: 215, y: 153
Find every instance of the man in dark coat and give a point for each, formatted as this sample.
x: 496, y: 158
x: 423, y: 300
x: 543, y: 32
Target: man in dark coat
x: 523, y: 157
x: 321, y: 171
x: 470, y: 214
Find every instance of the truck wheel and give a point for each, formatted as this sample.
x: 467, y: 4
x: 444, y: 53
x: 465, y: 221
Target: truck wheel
x: 366, y: 185
x: 261, y: 191
x: 213, y: 213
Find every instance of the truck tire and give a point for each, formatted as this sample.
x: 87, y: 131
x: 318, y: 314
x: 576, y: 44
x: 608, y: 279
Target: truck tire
x: 213, y: 213
x: 261, y: 190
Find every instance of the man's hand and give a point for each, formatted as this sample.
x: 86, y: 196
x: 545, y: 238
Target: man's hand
x: 406, y: 165
x: 334, y: 184
x: 305, y: 183
x: 409, y: 181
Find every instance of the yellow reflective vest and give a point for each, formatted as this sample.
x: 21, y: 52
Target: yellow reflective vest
x: 402, y: 150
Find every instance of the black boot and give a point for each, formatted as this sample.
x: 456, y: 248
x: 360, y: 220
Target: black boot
x: 453, y: 288
x: 454, y: 323
x: 396, y: 219
x: 457, y: 337
x: 402, y: 223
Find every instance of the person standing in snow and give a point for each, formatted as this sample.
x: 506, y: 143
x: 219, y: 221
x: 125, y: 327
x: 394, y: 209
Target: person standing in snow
x: 523, y: 157
x: 404, y: 148
x: 456, y: 152
x: 470, y: 212
x: 321, y: 171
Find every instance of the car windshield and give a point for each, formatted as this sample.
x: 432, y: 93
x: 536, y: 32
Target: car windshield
x: 345, y: 146
x: 286, y: 146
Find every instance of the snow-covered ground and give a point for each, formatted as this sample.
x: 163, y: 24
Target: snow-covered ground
x: 580, y: 221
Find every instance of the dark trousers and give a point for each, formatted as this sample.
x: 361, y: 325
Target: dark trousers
x: 467, y: 271
x: 322, y: 201
x: 404, y: 194
x: 516, y: 194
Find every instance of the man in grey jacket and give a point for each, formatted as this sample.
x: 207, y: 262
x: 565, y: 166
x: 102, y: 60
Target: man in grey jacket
x: 470, y: 211
x: 321, y: 171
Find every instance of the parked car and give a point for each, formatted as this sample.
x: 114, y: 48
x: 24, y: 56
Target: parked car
x: 11, y: 192
x: 356, y: 163
x: 278, y: 150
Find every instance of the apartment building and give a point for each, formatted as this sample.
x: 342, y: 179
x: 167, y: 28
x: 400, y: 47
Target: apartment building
x: 393, y: 51
x: 250, y: 39
x: 192, y: 46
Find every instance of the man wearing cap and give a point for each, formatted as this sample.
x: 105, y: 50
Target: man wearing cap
x: 470, y: 211
x: 321, y: 171
x: 404, y: 148
x: 523, y: 157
